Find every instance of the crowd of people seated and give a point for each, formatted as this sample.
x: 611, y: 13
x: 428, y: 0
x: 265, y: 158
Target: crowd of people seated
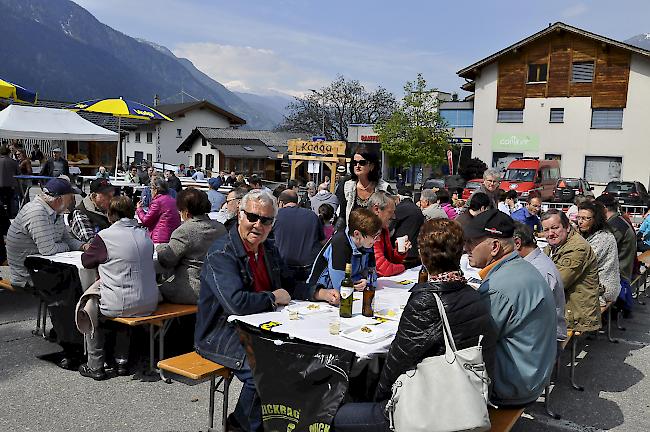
x: 252, y: 250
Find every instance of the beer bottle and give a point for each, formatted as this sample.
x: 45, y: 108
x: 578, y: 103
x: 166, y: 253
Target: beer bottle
x: 423, y: 276
x: 368, y: 306
x: 347, y: 290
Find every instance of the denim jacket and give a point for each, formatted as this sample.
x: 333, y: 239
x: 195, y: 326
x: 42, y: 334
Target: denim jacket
x: 227, y: 289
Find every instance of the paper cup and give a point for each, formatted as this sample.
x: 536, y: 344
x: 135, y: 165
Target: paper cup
x: 401, y: 244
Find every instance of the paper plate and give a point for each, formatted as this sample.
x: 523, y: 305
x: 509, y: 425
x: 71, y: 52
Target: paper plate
x: 366, y: 334
x: 310, y: 308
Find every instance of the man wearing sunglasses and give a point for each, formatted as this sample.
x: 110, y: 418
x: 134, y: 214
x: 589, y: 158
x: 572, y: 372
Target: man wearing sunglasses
x: 242, y: 274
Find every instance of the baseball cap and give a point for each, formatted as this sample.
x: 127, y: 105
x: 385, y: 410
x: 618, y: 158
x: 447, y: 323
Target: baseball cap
x: 490, y: 223
x: 58, y: 186
x: 101, y: 186
x: 56, y: 149
x: 213, y: 182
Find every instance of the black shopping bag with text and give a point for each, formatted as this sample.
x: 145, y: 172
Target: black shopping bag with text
x: 301, y: 384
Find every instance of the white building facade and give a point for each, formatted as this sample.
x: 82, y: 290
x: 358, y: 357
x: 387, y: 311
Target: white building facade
x: 144, y: 142
x: 599, y: 144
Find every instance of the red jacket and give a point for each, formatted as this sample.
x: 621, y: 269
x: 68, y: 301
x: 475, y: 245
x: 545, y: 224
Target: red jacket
x: 388, y: 260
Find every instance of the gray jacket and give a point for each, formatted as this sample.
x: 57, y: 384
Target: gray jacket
x: 184, y: 256
x: 604, y: 245
x: 324, y: 197
x: 123, y: 255
x: 434, y: 211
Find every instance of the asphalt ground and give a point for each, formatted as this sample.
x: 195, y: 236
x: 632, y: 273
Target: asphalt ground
x: 36, y: 395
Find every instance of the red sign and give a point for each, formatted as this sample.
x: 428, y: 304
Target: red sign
x: 366, y: 138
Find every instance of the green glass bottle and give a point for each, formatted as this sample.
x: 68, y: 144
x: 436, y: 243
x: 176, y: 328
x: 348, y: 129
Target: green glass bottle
x: 347, y: 290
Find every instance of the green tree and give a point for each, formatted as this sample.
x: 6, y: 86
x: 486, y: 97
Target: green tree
x: 336, y: 106
x: 415, y: 133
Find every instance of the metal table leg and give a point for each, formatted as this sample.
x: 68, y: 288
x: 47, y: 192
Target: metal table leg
x: 609, y: 325
x: 161, y: 347
x: 574, y: 345
x: 211, y: 408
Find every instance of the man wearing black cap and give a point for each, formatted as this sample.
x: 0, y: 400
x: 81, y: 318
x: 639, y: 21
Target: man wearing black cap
x: 56, y: 165
x: 522, y: 308
x: 89, y: 217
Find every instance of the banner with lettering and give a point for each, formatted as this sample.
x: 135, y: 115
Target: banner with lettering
x: 300, y: 384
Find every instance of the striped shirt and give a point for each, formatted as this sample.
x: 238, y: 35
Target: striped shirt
x: 37, y: 230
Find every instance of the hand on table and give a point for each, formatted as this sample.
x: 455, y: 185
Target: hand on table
x: 360, y: 285
x: 330, y: 296
x: 282, y: 297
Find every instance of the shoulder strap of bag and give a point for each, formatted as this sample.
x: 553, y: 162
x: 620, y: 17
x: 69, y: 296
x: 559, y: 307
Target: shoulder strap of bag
x: 450, y: 345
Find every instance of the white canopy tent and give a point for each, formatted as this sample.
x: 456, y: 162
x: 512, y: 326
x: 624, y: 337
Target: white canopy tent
x: 25, y: 122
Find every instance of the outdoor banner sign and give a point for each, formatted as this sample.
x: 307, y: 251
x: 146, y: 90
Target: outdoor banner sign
x: 507, y: 142
x: 316, y: 147
x: 300, y: 384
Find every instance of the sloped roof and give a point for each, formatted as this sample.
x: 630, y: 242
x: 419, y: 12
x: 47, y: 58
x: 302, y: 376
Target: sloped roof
x: 470, y: 71
x: 173, y: 110
x: 226, y: 136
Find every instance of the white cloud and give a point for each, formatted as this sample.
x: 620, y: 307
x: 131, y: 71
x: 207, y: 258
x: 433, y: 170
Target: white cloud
x: 575, y: 10
x: 244, y: 68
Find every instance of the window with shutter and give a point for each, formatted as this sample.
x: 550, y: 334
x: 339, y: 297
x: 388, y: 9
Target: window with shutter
x: 510, y: 116
x: 557, y: 115
x: 582, y: 72
x: 607, y: 118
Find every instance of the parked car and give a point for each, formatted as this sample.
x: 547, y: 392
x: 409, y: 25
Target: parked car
x: 527, y: 174
x: 566, y: 189
x: 434, y: 183
x: 470, y: 187
x: 628, y: 192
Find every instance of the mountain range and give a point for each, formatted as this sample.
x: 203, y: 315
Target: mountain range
x: 61, y: 50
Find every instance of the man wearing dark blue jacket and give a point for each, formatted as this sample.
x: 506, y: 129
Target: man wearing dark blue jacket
x: 242, y: 274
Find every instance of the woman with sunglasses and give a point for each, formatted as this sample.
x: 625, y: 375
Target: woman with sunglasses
x: 365, y: 180
x: 353, y: 245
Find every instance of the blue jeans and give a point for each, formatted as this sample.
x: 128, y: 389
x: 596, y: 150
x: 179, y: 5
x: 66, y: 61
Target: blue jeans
x: 248, y: 411
x: 361, y: 417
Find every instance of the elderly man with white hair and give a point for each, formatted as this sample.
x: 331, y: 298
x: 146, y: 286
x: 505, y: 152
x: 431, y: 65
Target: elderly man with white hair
x: 324, y: 196
x: 430, y: 207
x: 242, y: 274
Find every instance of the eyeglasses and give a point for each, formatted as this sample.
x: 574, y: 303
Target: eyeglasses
x: 492, y: 181
x: 584, y: 218
x: 362, y: 162
x: 253, y: 218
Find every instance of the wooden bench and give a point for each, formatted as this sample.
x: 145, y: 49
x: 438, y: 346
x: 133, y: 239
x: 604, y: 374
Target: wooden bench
x: 5, y: 284
x: 162, y: 318
x: 193, y: 369
x: 504, y: 419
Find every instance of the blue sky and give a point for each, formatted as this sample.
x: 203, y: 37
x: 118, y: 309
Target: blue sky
x: 291, y: 46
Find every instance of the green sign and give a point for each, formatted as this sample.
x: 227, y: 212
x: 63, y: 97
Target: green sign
x: 515, y: 142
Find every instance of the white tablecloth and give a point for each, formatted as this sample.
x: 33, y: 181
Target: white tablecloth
x: 391, y: 292
x: 86, y: 276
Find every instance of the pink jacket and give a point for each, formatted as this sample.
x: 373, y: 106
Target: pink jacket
x: 450, y: 210
x: 161, y: 219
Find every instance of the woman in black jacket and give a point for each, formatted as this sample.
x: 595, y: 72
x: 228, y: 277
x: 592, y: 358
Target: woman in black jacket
x: 420, y: 333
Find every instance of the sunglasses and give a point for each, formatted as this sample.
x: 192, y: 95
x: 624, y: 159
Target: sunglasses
x: 264, y: 220
x: 362, y: 162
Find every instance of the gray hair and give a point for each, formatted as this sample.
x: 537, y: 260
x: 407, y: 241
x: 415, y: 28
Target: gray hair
x: 429, y: 195
x: 261, y: 196
x: 491, y: 173
x: 380, y: 199
x: 525, y: 234
x: 310, y: 185
x: 161, y: 185
x: 47, y: 198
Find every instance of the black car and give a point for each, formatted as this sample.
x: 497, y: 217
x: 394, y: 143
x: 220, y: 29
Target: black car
x: 628, y: 192
x: 566, y: 189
